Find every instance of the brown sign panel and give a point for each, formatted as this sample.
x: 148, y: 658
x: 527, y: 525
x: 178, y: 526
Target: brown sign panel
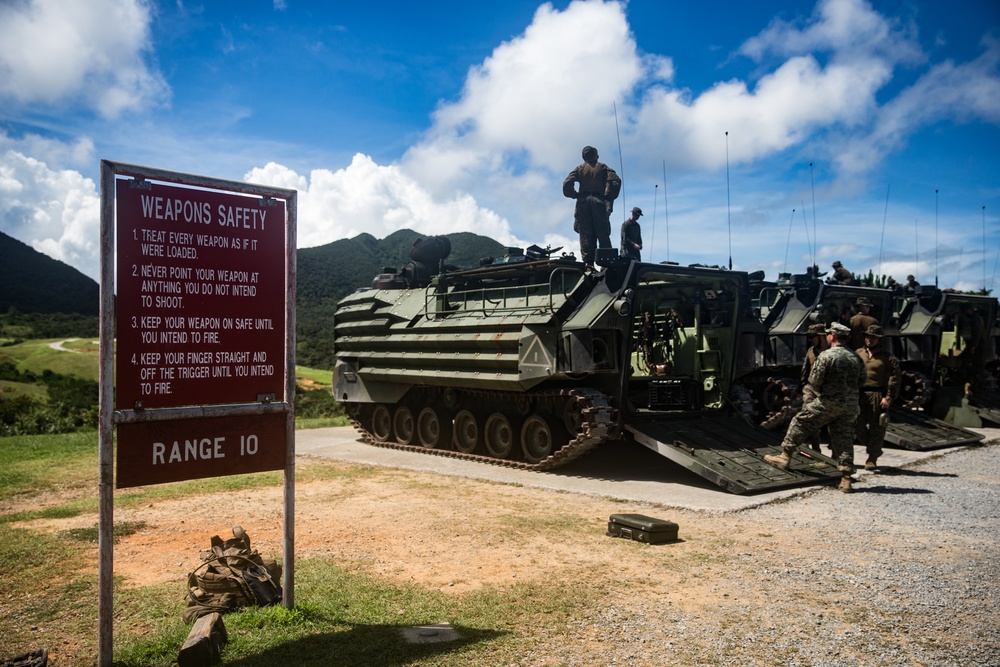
x: 172, y: 451
x: 200, y: 296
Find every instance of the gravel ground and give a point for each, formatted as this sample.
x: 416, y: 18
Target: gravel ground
x: 901, y: 572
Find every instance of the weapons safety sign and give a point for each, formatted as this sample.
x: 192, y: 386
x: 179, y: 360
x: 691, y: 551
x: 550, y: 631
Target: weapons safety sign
x: 201, y: 297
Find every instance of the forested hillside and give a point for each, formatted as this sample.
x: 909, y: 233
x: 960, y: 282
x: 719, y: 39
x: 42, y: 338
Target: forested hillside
x: 43, y: 298
x: 328, y: 273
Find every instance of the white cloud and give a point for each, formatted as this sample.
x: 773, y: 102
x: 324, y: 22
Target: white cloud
x: 366, y: 197
x: 64, y: 50
x: 948, y: 91
x: 57, y: 212
x: 493, y: 158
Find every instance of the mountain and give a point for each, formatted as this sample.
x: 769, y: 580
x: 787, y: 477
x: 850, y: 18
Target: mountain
x: 36, y: 283
x: 328, y: 273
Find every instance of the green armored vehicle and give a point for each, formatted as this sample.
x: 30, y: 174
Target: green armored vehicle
x: 952, y: 337
x: 532, y: 359
x: 786, y: 309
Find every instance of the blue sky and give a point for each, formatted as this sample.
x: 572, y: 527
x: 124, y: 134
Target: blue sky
x: 867, y: 132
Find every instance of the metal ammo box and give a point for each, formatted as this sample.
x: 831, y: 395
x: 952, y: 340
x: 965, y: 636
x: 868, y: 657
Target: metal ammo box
x: 642, y: 528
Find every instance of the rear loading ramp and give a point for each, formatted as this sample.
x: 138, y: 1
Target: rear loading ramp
x: 730, y: 453
x: 985, y: 404
x: 918, y: 431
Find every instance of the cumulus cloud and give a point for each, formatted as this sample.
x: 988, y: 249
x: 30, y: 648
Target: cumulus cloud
x: 492, y: 159
x: 366, y: 197
x: 62, y: 50
x: 57, y: 211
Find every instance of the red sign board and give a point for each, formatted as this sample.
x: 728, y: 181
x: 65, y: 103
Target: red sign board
x: 200, y: 297
x: 181, y: 449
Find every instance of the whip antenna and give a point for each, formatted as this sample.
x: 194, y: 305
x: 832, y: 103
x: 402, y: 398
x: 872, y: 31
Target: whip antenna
x: 621, y: 160
x: 666, y: 209
x: 935, y: 238
x: 729, y: 206
x: 882, y: 242
x: 788, y: 242
x: 813, y: 186
x: 809, y: 244
x: 984, y: 248
x: 652, y: 238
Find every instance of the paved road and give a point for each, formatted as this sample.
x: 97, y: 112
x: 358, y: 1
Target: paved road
x: 618, y: 470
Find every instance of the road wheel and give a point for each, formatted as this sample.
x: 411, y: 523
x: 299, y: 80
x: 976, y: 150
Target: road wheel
x: 536, y: 439
x: 499, y: 436
x: 381, y: 423
x: 402, y: 424
x: 466, y: 436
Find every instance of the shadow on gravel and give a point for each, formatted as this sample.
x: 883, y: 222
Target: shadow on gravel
x: 889, y: 490
x: 906, y: 472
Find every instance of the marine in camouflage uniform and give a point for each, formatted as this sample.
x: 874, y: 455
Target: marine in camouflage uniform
x: 881, y: 389
x: 835, y: 379
x: 817, y: 343
x: 599, y: 187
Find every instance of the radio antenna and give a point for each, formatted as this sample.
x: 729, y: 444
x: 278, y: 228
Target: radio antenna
x: 809, y: 244
x: 729, y: 211
x: 652, y: 238
x: 788, y: 242
x: 984, y: 248
x: 666, y: 209
x: 935, y: 238
x: 621, y: 160
x: 813, y: 186
x: 882, y: 241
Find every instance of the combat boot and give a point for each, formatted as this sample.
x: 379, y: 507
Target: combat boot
x: 871, y: 464
x: 845, y: 484
x: 780, y: 461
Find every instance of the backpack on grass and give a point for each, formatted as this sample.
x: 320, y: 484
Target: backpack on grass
x: 231, y: 576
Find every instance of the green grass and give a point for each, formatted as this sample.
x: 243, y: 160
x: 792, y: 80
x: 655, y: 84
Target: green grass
x: 33, y: 390
x: 28, y: 463
x: 36, y: 356
x: 320, y: 422
x: 345, y: 618
x: 324, y: 378
x: 342, y: 616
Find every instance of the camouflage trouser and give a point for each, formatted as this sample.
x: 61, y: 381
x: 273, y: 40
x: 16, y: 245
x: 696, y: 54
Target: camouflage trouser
x: 591, y: 220
x: 838, y: 418
x: 871, y: 427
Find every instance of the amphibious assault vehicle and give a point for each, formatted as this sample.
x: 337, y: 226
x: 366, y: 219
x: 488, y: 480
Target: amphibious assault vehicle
x: 532, y: 359
x: 769, y: 372
x: 952, y: 338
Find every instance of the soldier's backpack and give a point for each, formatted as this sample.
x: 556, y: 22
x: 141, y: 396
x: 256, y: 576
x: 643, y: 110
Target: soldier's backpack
x: 231, y: 576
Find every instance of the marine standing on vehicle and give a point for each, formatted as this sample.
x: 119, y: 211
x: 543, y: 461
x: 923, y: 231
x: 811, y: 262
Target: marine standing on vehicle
x: 632, y: 236
x: 880, y: 390
x: 599, y: 187
x: 836, y: 379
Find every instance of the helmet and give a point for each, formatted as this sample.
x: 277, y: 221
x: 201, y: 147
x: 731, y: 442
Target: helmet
x: 863, y: 301
x: 589, y: 150
x: 837, y: 264
x: 637, y: 211
x: 816, y: 330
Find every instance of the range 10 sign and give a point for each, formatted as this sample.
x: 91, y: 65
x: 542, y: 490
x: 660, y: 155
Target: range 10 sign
x: 201, y: 297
